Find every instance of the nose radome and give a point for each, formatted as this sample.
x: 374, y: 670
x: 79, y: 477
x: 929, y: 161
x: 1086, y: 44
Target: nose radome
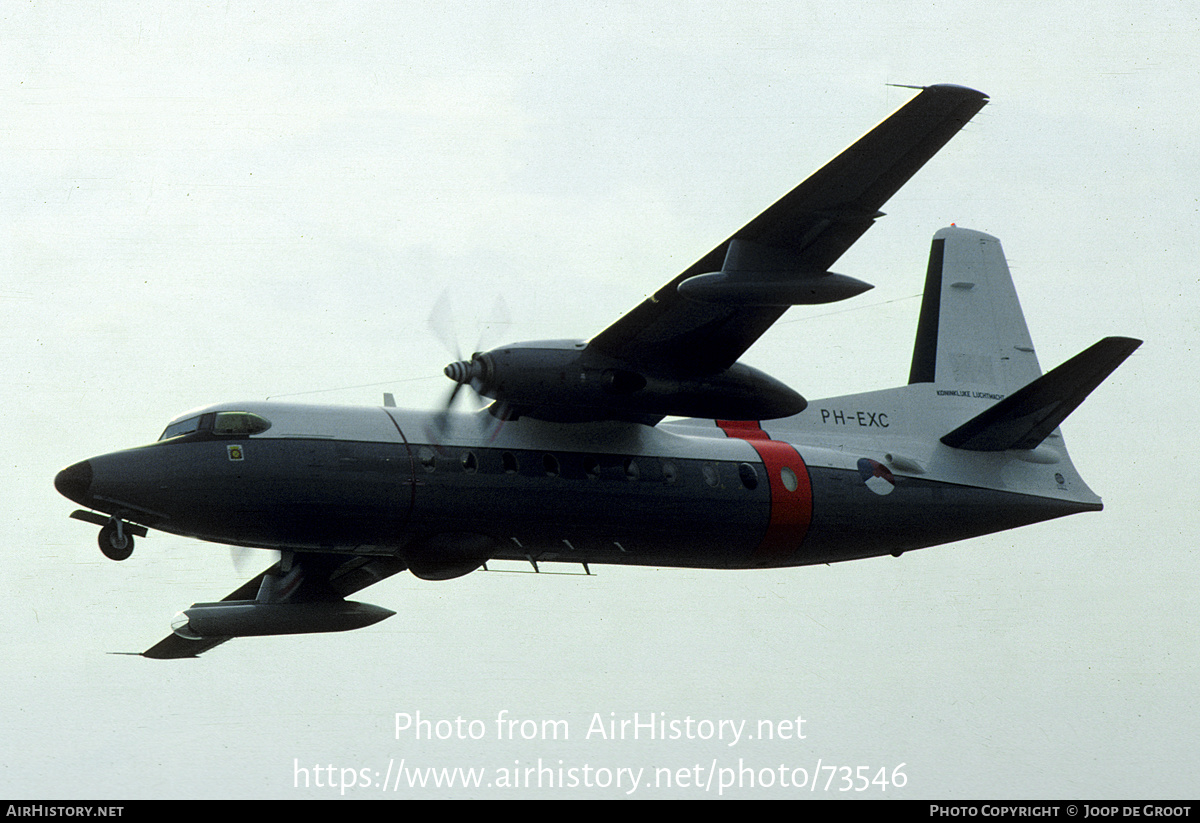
x: 73, y: 482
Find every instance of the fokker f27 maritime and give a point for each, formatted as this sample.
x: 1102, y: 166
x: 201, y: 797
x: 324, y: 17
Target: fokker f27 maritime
x: 573, y: 461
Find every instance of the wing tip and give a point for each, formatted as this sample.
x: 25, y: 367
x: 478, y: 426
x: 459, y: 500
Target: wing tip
x: 945, y: 87
x: 958, y: 89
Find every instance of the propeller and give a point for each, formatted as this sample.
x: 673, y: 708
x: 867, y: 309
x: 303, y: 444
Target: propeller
x: 472, y: 372
x: 246, y: 560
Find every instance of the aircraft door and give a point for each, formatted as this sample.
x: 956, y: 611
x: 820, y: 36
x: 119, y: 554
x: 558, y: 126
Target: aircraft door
x: 402, y: 471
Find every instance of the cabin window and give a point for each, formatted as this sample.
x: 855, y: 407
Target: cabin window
x: 670, y: 472
x: 509, y: 461
x: 428, y: 458
x: 632, y: 472
x: 591, y: 467
x: 469, y: 463
x: 790, y: 481
x: 748, y: 475
x: 550, y: 465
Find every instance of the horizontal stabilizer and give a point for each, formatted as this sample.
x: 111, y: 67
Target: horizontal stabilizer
x: 1025, y: 418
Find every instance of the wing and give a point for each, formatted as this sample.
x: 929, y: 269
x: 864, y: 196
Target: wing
x: 800, y: 236
x: 328, y: 578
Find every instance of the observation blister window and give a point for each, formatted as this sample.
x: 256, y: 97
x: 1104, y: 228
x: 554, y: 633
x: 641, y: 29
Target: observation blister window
x: 240, y: 423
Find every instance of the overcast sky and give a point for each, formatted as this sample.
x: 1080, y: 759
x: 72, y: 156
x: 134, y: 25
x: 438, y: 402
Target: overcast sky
x: 207, y: 202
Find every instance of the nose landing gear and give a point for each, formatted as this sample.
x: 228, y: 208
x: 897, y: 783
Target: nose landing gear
x: 114, y: 541
x: 116, y: 535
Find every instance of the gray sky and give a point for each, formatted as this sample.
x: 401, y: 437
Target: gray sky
x: 208, y: 202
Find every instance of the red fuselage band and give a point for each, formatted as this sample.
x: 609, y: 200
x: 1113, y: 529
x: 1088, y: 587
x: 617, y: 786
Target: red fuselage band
x: 791, y: 491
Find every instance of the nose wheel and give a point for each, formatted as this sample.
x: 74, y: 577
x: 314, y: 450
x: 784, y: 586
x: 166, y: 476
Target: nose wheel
x: 116, y: 535
x: 115, y: 542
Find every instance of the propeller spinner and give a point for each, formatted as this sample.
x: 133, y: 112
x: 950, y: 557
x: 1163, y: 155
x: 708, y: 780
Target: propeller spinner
x: 471, y: 372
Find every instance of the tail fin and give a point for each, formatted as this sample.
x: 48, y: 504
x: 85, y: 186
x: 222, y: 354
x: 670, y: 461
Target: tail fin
x: 971, y: 336
x: 1026, y: 418
x: 973, y: 344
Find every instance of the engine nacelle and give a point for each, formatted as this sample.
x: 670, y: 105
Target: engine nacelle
x: 250, y: 618
x: 567, y: 382
x: 771, y: 288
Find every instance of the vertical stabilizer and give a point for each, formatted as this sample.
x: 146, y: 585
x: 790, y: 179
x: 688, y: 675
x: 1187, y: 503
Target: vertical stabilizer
x: 971, y: 336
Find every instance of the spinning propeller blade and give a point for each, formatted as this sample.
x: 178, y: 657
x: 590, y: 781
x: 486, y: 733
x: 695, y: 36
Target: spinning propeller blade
x: 466, y: 372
